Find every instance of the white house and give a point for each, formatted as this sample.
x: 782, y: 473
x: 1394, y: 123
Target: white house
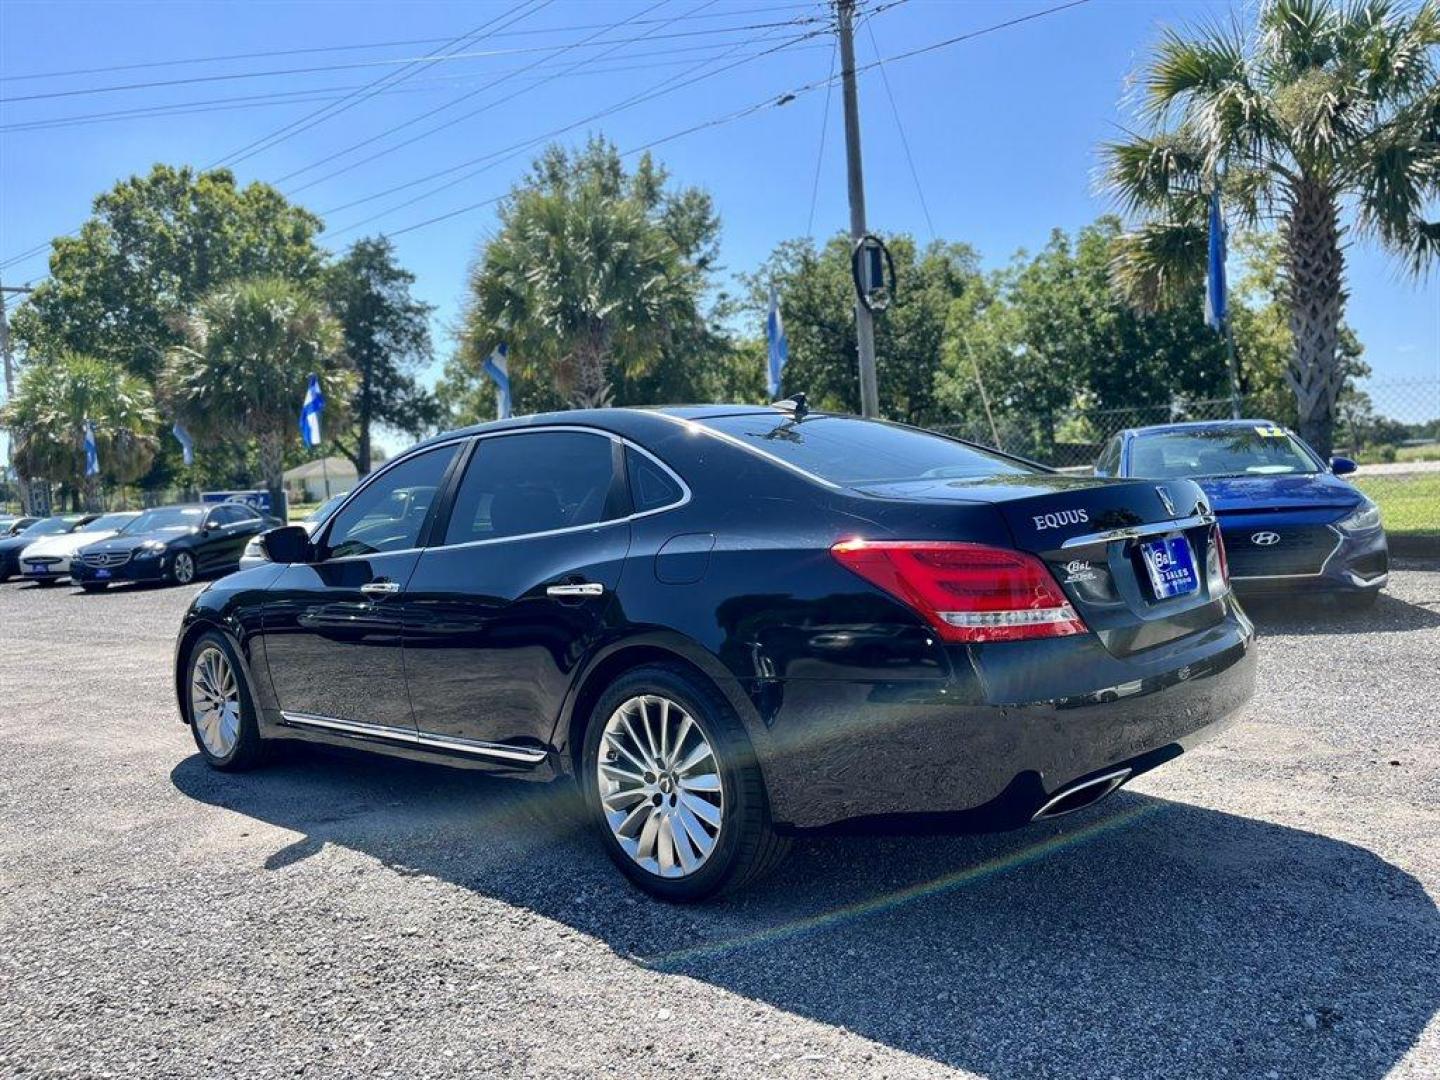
x: 308, y: 483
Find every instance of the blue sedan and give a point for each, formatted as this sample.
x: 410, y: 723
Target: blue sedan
x: 1289, y: 523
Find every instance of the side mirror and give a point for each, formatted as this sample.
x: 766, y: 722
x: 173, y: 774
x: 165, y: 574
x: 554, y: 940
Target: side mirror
x: 1342, y: 466
x: 287, y: 544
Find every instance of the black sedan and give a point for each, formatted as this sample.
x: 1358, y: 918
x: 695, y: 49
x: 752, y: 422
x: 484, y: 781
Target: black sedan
x: 171, y: 544
x: 18, y: 541
x: 730, y: 624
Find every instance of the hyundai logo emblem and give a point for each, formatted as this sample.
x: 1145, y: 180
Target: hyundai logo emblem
x: 1265, y: 539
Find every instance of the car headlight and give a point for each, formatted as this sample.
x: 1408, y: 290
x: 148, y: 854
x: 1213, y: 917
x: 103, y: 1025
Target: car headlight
x: 149, y: 549
x: 1365, y: 517
x: 252, y: 549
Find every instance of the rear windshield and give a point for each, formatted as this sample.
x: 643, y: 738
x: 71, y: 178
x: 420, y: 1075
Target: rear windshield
x: 860, y: 453
x: 1258, y: 450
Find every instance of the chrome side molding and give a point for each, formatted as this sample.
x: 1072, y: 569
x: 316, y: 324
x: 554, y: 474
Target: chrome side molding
x: 428, y: 740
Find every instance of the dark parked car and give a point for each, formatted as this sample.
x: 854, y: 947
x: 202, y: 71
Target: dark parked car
x: 12, y: 545
x: 171, y: 543
x: 1291, y: 525
x: 730, y: 624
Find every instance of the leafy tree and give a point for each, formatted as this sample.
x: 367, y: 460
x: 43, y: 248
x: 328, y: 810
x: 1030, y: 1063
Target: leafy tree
x: 1319, y: 113
x: 47, y: 419
x: 243, y: 369
x: 817, y: 303
x: 387, y: 338
x: 154, y: 245
x: 592, y: 274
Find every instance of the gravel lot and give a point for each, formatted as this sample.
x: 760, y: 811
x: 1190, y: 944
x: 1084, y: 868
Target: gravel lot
x: 1264, y: 907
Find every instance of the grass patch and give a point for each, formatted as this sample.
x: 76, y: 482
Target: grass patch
x: 1409, y: 505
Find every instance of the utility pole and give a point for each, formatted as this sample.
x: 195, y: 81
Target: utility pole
x: 10, y: 371
x: 864, y: 320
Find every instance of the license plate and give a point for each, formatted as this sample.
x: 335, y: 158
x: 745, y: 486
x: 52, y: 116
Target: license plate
x: 1171, y: 565
x: 102, y: 573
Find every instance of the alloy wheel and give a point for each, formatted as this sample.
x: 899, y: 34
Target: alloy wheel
x: 184, y: 568
x: 660, y: 786
x: 215, y: 701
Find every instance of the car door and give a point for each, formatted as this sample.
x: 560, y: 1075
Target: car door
x: 332, y: 627
x: 518, y: 587
x: 222, y: 537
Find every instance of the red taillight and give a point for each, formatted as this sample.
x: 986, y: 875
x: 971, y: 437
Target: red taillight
x: 967, y: 592
x: 1222, y: 563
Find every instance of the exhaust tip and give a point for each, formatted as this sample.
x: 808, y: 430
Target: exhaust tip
x: 1078, y: 796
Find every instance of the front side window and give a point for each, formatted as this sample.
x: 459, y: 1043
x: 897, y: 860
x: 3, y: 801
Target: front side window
x: 533, y: 482
x: 1253, y: 450
x: 389, y: 513
x: 863, y: 453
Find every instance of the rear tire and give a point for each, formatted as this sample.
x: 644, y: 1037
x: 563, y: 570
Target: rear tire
x: 646, y: 813
x: 218, y: 706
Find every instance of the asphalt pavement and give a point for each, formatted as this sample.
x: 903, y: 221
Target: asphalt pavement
x: 1264, y: 907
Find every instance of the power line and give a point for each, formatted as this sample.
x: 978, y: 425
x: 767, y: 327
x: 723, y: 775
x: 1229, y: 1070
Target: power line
x: 290, y: 97
x: 820, y: 154
x: 769, y: 102
x: 508, y: 153
x: 329, y: 112
x: 275, y: 72
x: 900, y: 126
x: 451, y: 104
x: 178, y: 62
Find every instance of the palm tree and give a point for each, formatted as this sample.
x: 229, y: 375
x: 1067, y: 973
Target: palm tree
x: 582, y: 274
x: 52, y: 404
x: 242, y: 372
x: 1325, y: 120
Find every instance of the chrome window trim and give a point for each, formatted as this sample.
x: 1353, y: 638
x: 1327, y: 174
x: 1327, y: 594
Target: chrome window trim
x: 1130, y: 532
x: 428, y: 740
x: 685, y: 496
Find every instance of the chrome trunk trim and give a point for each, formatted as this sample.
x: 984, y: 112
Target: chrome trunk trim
x: 1131, y: 532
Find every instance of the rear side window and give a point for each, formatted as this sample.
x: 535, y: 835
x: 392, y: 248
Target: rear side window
x: 859, y: 453
x: 651, y: 487
x: 533, y: 482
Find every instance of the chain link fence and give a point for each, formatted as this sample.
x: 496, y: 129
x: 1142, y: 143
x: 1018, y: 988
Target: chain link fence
x: 1392, y: 428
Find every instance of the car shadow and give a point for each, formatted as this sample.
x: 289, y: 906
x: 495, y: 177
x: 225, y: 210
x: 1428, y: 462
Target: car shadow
x: 1307, y: 616
x: 1140, y: 937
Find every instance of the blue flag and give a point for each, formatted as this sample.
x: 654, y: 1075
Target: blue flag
x: 497, y: 366
x: 187, y: 444
x: 778, y: 346
x: 92, y: 452
x: 310, y: 413
x: 1215, y: 303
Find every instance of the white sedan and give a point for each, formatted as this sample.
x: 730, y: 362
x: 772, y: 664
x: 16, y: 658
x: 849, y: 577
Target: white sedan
x: 253, y: 556
x: 47, y: 560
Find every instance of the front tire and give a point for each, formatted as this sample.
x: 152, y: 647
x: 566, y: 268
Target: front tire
x: 218, y: 705
x: 673, y: 789
x: 182, y: 568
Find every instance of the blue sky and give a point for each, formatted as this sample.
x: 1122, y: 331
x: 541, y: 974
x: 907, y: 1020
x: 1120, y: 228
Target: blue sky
x: 1003, y: 128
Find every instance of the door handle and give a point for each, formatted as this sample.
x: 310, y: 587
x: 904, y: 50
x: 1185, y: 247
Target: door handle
x: 579, y: 588
x: 380, y: 588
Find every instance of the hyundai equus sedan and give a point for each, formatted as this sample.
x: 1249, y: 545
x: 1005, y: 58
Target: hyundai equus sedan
x: 730, y: 624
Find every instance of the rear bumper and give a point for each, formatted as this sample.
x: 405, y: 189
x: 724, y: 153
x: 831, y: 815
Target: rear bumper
x: 969, y: 754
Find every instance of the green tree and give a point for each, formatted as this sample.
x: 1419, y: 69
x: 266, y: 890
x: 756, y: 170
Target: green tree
x: 817, y: 303
x: 592, y: 274
x: 244, y: 366
x: 387, y: 339
x: 153, y: 246
x: 47, y: 419
x: 1318, y: 113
